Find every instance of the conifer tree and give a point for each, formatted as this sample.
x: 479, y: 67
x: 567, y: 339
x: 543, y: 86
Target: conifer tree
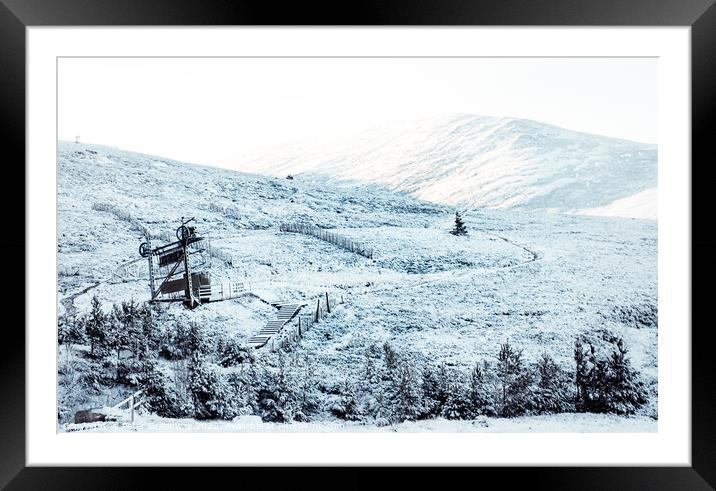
x: 626, y: 392
x: 429, y: 387
x: 391, y: 357
x: 407, y: 393
x: 459, y: 228
x: 115, y: 341
x: 607, y: 385
x: 435, y: 387
x: 514, y: 382
x: 479, y: 392
x: 552, y: 394
x: 70, y: 330
x: 200, y: 379
x: 347, y: 407
x: 95, y: 326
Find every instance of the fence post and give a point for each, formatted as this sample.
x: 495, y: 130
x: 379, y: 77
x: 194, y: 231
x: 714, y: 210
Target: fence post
x: 131, y: 402
x: 318, y: 309
x: 299, y: 326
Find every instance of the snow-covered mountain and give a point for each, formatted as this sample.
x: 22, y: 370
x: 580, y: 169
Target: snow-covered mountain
x: 538, y: 280
x: 473, y: 161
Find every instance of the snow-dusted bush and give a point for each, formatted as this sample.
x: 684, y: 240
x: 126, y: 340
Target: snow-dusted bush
x: 286, y: 389
x: 174, y: 341
x: 513, y: 383
x: 482, y: 398
x: 94, y: 324
x: 70, y: 330
x: 405, y: 392
x: 645, y: 315
x: 607, y: 385
x: 457, y: 403
x: 160, y: 394
x: 434, y: 386
x: 347, y: 407
x: 554, y: 390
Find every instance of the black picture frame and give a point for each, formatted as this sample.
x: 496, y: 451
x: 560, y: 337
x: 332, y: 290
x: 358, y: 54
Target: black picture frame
x: 700, y: 15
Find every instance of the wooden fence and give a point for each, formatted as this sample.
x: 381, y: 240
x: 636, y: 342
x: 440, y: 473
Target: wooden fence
x: 133, y: 270
x: 328, y: 236
x: 213, y: 252
x: 131, y: 404
x: 124, y: 215
x: 221, y: 291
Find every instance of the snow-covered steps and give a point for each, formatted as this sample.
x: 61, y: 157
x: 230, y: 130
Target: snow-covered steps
x: 286, y: 312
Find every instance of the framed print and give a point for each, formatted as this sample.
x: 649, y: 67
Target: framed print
x: 436, y: 236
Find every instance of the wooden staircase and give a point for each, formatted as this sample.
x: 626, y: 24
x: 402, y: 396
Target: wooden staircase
x: 286, y: 312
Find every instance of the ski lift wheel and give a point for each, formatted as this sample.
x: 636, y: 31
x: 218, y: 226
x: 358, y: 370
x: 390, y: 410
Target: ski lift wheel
x: 144, y: 250
x: 183, y: 232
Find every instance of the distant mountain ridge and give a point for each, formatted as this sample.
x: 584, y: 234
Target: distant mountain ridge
x: 470, y: 161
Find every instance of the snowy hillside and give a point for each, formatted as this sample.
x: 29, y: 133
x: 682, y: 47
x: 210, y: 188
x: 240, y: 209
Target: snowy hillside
x: 474, y: 161
x: 536, y: 280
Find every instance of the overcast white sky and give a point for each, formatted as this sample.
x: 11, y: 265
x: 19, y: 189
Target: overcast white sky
x: 209, y: 110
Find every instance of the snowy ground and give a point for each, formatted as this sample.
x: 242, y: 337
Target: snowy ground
x: 535, y: 278
x: 557, y: 423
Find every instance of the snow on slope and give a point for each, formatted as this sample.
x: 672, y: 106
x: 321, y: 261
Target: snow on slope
x: 443, y: 298
x: 639, y: 205
x: 478, y: 161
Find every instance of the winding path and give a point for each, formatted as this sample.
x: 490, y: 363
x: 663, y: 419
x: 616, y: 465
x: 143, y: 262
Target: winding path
x: 468, y: 272
x: 69, y: 301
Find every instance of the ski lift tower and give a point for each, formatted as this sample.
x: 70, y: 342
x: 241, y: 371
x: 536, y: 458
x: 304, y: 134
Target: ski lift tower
x: 171, y: 266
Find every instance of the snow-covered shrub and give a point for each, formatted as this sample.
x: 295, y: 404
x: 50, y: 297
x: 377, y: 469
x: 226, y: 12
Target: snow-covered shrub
x: 513, y: 383
x: 553, y: 392
x: 405, y: 392
x: 347, y: 406
x: 390, y: 357
x: 276, y: 400
x: 627, y: 392
x: 481, y: 396
x: 94, y: 323
x: 210, y: 394
x: 79, y: 379
x: 160, y: 393
x: 434, y: 386
x: 234, y: 352
x: 174, y: 342
x: 645, y: 315
x: 457, y: 403
x: 607, y: 385
x: 70, y: 330
x: 287, y: 390
x: 301, y: 375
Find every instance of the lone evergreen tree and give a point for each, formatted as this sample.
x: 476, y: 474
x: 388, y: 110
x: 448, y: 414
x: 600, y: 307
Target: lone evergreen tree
x: 459, y: 228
